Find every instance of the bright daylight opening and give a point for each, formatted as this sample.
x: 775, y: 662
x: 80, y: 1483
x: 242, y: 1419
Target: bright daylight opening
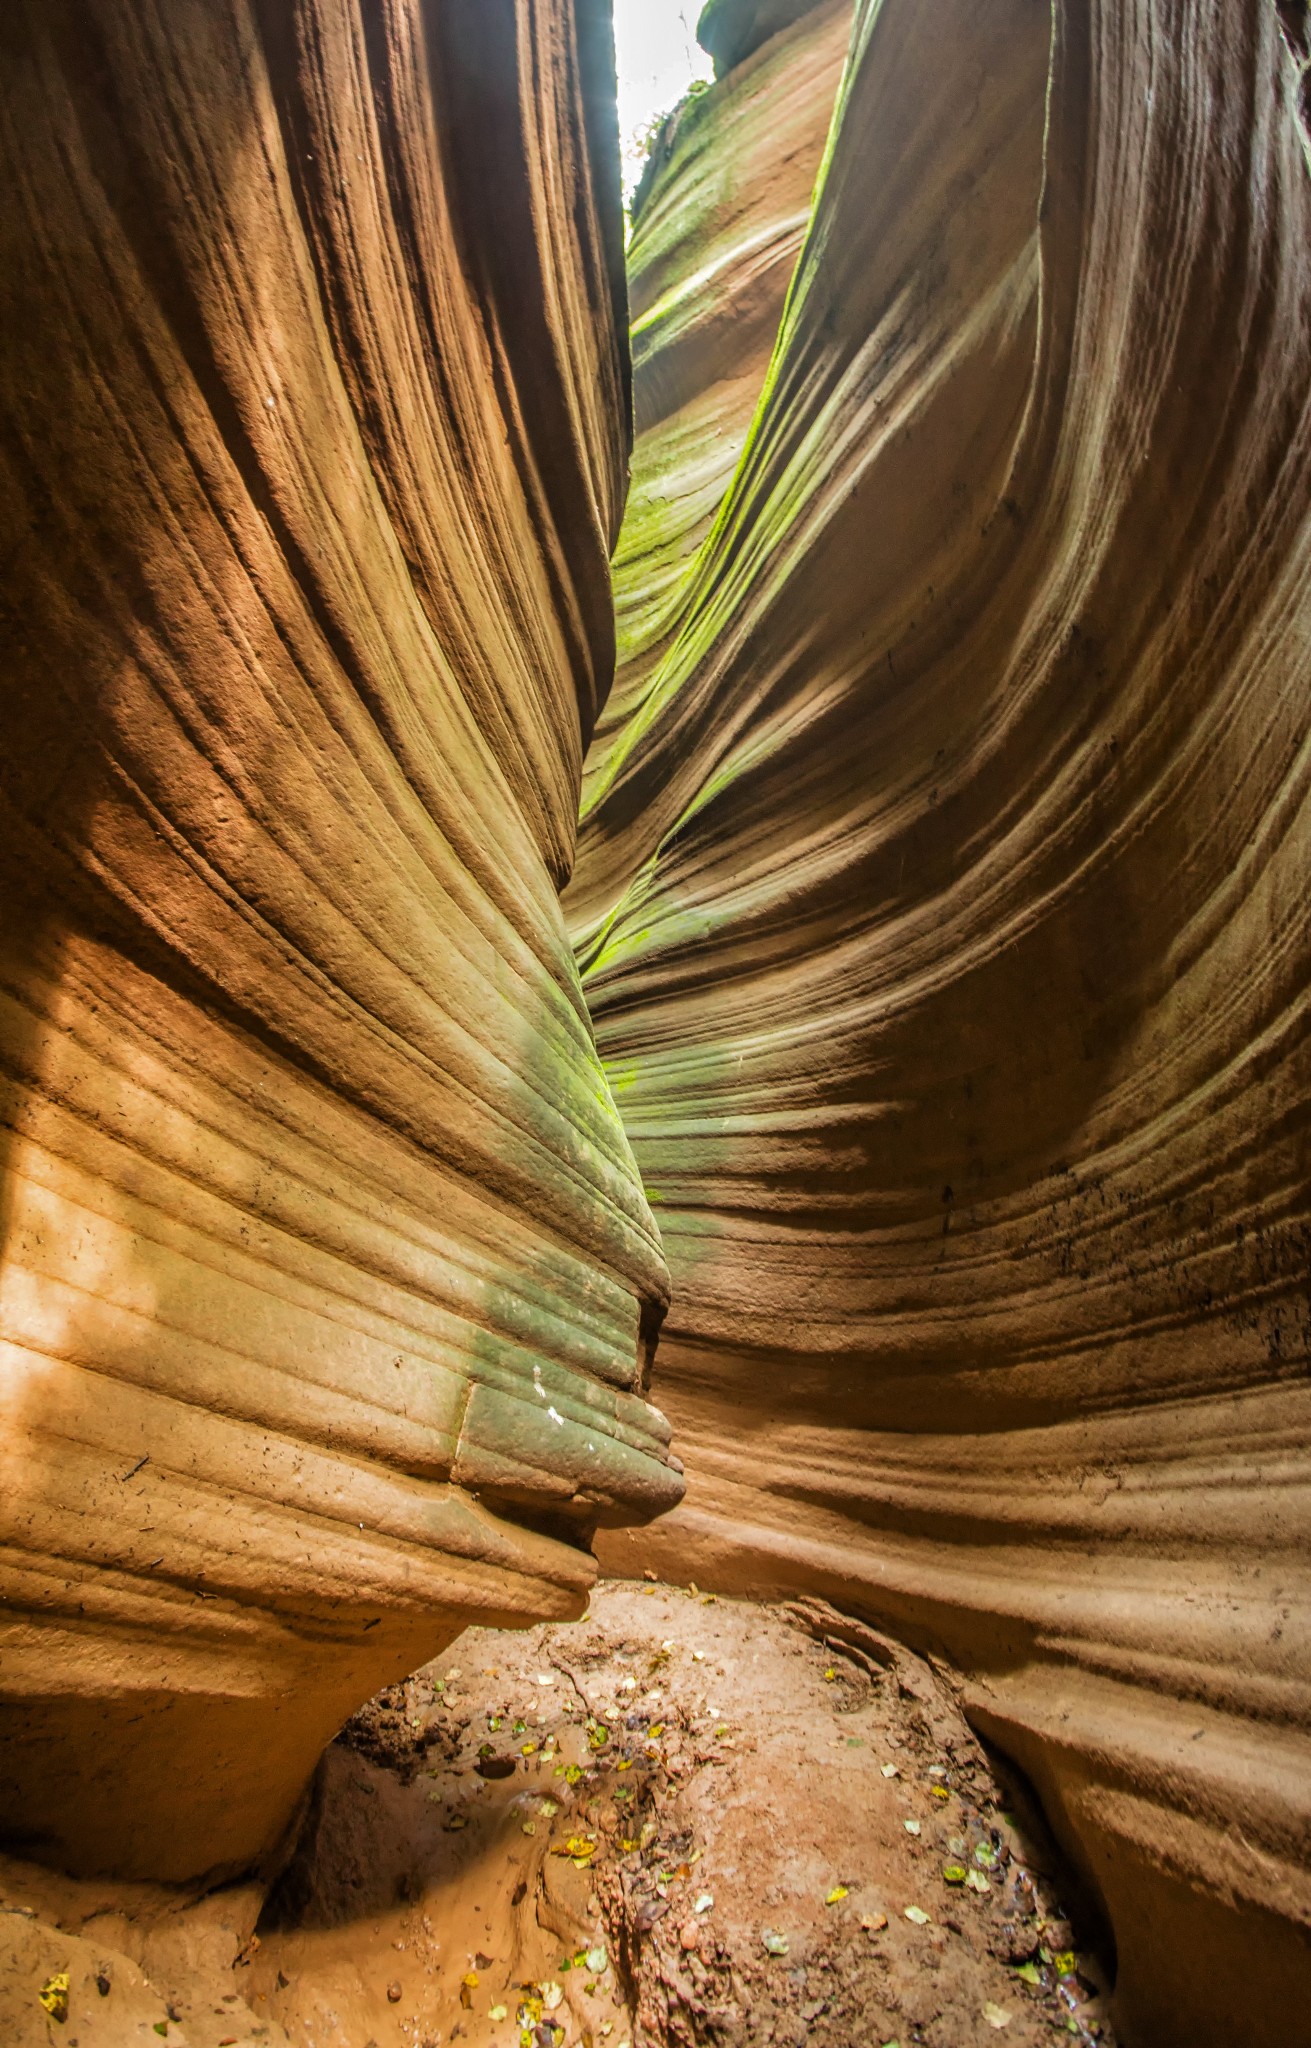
x: 658, y: 58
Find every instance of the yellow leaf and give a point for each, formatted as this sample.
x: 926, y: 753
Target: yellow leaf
x: 54, y: 1996
x: 839, y: 1891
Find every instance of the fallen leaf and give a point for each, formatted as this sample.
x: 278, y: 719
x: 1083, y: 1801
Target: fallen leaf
x: 912, y: 1827
x: 917, y: 1916
x: 1030, y: 1973
x: 579, y: 1847
x: 839, y: 1892
x: 471, y: 1979
x: 1066, y: 1963
x: 830, y: 1674
x: 573, y: 1774
x: 546, y: 1678
x: 954, y: 1874
x: 939, y: 1792
x: 456, y: 1820
x: 890, y: 1770
x: 985, y: 1856
x: 549, y: 1807
x: 996, y: 2015
x: 873, y: 1923
x: 773, y: 1943
x: 704, y: 1903
x: 597, y: 1960
x: 53, y: 1995
x: 528, y: 1827
x: 552, y: 1994
x: 499, y: 2012
x: 977, y: 1882
x: 528, y: 1749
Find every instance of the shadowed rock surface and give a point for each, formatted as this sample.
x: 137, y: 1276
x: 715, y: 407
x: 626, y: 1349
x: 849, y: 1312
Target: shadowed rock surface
x: 942, y: 904
x: 327, y: 1281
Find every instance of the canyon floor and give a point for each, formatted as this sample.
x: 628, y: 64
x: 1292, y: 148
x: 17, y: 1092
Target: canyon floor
x: 683, y: 1820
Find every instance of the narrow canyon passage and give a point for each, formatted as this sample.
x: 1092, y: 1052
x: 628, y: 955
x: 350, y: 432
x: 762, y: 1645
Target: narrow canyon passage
x: 655, y: 848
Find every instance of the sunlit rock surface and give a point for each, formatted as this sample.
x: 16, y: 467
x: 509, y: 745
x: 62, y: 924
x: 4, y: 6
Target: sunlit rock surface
x: 943, y: 904
x: 327, y: 1280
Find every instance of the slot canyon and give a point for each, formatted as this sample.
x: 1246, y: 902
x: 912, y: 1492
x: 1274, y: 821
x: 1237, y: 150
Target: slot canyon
x: 655, y: 1200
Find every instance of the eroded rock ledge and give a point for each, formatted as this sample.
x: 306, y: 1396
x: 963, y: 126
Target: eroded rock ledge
x: 942, y: 904
x: 328, y: 1284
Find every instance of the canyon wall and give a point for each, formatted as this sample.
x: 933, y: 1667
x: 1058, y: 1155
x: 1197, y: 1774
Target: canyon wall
x: 328, y: 1287
x: 942, y: 901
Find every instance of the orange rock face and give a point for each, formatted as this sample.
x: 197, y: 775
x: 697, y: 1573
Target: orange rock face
x: 328, y: 1285
x: 942, y: 902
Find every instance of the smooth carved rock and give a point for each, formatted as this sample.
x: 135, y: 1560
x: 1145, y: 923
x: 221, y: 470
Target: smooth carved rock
x: 328, y: 1285
x: 732, y: 30
x: 942, y: 898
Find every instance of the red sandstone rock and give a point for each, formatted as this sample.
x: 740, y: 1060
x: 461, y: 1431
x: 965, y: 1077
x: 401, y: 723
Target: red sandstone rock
x: 328, y: 1283
x: 942, y: 898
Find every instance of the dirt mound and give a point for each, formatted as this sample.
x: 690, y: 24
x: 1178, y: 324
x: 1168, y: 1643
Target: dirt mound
x: 682, y: 1822
x: 721, y: 1823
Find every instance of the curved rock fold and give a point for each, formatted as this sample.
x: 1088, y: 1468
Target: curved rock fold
x: 941, y: 900
x: 328, y: 1282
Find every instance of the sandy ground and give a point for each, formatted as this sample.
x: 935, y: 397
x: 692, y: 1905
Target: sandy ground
x: 681, y: 1821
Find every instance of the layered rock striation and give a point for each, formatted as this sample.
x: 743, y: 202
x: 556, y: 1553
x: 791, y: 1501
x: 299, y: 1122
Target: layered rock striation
x: 942, y: 904
x: 328, y: 1286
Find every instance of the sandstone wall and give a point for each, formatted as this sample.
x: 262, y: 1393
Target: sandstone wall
x: 942, y: 899
x: 327, y: 1284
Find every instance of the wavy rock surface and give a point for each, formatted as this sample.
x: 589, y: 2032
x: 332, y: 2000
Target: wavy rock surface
x: 327, y: 1284
x: 942, y: 899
